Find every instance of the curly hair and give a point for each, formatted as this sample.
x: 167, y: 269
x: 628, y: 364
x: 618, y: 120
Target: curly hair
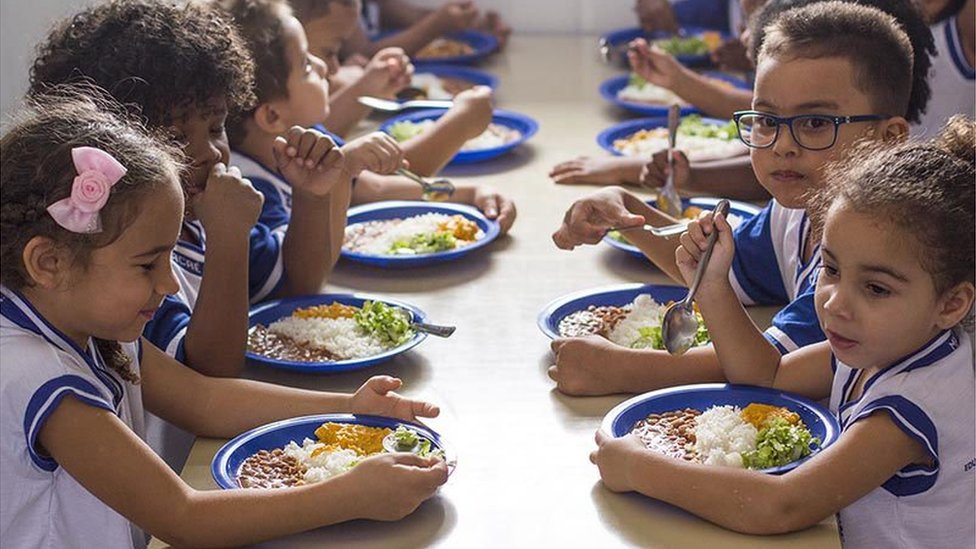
x: 36, y: 170
x: 156, y: 56
x: 909, y: 18
x: 933, y: 180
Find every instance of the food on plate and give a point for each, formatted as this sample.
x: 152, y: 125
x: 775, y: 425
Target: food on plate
x: 444, y: 47
x: 421, y: 234
x: 426, y: 85
x: 328, y: 333
x: 698, y: 139
x: 639, y: 90
x: 636, y: 325
x: 337, y: 448
x: 690, y: 45
x: 759, y: 436
x: 496, y: 135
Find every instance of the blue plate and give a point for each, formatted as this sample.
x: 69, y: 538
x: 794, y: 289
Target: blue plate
x: 625, y: 129
x: 619, y: 39
x: 266, y: 313
x: 822, y: 424
x: 227, y: 461
x: 611, y: 87
x: 618, y: 296
x: 474, y: 76
x: 482, y: 43
x: 395, y: 209
x: 741, y: 209
x: 525, y: 125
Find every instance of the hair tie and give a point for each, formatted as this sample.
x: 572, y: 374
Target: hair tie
x: 98, y: 172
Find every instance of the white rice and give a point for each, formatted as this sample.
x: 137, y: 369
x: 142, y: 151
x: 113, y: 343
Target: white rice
x: 431, y: 84
x: 340, y: 336
x: 645, y: 313
x: 326, y: 464
x: 406, y: 229
x: 696, y: 148
x: 494, y: 136
x: 649, y: 93
x: 722, y: 436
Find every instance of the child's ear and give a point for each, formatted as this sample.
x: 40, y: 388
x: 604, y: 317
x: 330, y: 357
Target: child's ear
x: 895, y: 130
x: 956, y: 303
x: 269, y: 119
x: 47, y: 263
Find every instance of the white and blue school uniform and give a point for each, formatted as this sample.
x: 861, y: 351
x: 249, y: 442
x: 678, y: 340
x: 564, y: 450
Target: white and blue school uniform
x: 43, y: 505
x: 768, y: 269
x: 720, y: 15
x: 952, y: 79
x: 930, y: 395
x: 276, y: 210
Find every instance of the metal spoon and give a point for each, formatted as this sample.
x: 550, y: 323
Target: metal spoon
x: 668, y: 200
x: 680, y: 325
x: 433, y: 329
x: 606, y: 50
x: 663, y: 231
x: 438, y: 190
x: 394, y: 106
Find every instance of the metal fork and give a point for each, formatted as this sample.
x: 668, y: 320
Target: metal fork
x: 668, y: 199
x: 393, y: 106
x: 662, y: 231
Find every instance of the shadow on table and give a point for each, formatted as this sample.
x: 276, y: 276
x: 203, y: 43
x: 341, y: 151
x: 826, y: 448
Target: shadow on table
x: 431, y: 523
x: 411, y: 367
x: 367, y: 278
x: 628, y: 267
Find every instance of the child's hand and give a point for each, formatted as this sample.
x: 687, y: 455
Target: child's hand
x: 309, y: 160
x: 392, y: 486
x: 229, y: 205
x: 474, y: 107
x: 581, y: 366
x: 656, y: 15
x: 600, y: 170
x: 615, y: 458
x: 387, y: 73
x: 693, y: 244
x: 495, y: 206
x: 731, y: 56
x: 376, y: 152
x: 493, y: 24
x: 376, y: 397
x: 455, y: 16
x: 588, y: 219
x: 655, y: 172
x: 653, y: 64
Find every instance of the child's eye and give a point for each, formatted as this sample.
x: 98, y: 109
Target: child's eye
x: 217, y: 131
x: 829, y: 271
x: 876, y: 290
x: 814, y: 124
x: 147, y: 266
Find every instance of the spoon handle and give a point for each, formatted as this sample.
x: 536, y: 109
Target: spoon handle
x: 722, y: 208
x: 416, y: 178
x: 433, y: 329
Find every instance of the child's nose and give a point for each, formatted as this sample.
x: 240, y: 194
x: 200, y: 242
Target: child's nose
x: 167, y: 283
x: 785, y: 145
x: 837, y: 303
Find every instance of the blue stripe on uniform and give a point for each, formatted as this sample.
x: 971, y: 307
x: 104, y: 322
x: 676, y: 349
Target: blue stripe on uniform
x: 46, y: 399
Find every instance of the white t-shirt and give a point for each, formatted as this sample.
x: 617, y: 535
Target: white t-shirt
x: 41, y: 504
x: 931, y: 395
x: 952, y: 79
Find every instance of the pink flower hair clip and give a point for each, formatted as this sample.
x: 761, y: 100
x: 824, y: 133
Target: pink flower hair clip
x: 98, y: 172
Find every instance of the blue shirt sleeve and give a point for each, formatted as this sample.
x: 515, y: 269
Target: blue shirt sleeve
x: 276, y: 210
x: 167, y: 329
x: 754, y: 265
x: 265, y: 263
x: 708, y: 14
x: 796, y: 325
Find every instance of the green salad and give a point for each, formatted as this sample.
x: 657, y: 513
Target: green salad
x: 676, y: 45
x: 407, y: 439
x: 424, y: 243
x: 652, y: 338
x: 618, y: 237
x: 694, y: 126
x: 779, y: 442
x: 404, y: 130
x: 389, y: 324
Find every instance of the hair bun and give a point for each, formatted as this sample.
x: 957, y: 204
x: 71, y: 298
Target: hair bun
x: 958, y: 138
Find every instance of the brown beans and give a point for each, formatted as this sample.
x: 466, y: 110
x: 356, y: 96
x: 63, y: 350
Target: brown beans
x: 592, y: 320
x: 271, y: 469
x: 669, y: 433
x: 262, y: 341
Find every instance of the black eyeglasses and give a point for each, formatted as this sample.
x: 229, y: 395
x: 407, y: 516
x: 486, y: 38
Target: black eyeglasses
x: 814, y: 132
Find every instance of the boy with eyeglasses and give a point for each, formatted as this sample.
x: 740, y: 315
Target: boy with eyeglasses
x: 828, y: 75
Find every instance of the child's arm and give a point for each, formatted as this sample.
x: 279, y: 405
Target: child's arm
x: 217, y: 331
x: 386, y: 74
x: 466, y: 119
x: 731, y: 178
x: 589, y: 219
x: 422, y: 26
x: 373, y: 187
x: 865, y: 456
x: 599, y: 170
x: 661, y: 69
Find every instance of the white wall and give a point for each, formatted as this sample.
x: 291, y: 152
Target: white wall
x: 24, y: 23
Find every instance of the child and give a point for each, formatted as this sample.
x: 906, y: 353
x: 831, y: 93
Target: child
x: 845, y: 71
x: 92, y: 207
x: 327, y: 23
x: 953, y: 71
x: 270, y: 28
x: 897, y: 281
x: 420, y: 26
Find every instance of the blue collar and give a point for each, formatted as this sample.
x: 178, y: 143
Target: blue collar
x: 954, y: 41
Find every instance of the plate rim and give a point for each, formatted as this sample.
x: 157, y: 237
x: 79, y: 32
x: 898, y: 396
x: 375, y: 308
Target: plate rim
x: 551, y: 307
x: 489, y: 44
x: 605, y: 142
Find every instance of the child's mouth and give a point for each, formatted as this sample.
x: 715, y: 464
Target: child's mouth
x: 148, y: 313
x: 838, y: 341
x: 788, y: 176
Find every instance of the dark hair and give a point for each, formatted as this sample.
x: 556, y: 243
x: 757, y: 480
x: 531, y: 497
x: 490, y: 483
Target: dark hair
x: 307, y: 10
x: 908, y: 17
x: 157, y: 56
x: 260, y: 26
x: 934, y: 181
x: 947, y: 11
x: 36, y: 170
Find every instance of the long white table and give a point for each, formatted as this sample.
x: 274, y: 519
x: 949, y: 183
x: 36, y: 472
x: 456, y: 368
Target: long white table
x: 523, y: 477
